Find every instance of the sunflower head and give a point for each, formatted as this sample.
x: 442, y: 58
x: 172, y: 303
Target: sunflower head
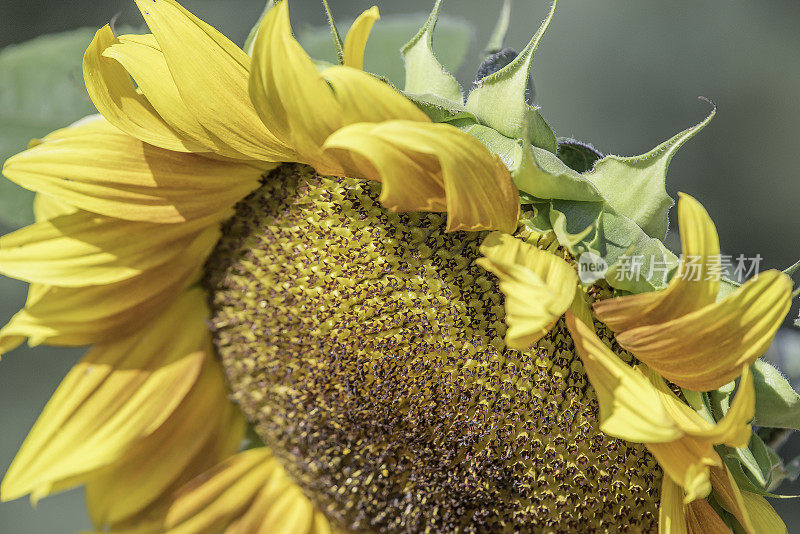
x: 318, y: 302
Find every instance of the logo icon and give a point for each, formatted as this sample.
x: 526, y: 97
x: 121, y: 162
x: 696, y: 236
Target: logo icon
x: 591, y: 267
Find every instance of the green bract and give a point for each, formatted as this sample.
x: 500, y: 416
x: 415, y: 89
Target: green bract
x: 424, y: 73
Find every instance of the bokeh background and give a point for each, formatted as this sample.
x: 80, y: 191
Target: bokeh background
x: 622, y: 74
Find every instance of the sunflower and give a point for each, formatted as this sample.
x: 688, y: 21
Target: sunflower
x: 316, y: 303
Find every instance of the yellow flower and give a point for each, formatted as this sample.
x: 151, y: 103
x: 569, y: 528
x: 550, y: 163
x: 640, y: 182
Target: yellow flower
x: 250, y: 231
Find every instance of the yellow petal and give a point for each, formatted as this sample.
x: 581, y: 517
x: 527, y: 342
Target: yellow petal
x: 765, y: 519
x: 291, y: 97
x: 211, y: 75
x: 580, y: 308
x: 279, y: 508
x: 118, y: 394
x: 706, y: 349
x: 428, y: 167
x: 113, y: 93
x: 694, y: 285
x: 687, y: 462
x: 211, y: 501
x: 630, y: 407
x: 98, y: 168
x: 141, y: 57
x: 538, y: 286
x: 357, y: 35
x: 728, y: 493
x: 671, y: 512
x: 83, y: 249
x: 364, y: 98
x: 691, y: 460
x: 94, y: 314
x: 702, y: 519
x: 45, y: 207
x: 204, y: 421
x: 733, y: 429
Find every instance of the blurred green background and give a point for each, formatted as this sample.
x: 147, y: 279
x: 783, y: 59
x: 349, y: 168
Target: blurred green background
x: 622, y: 74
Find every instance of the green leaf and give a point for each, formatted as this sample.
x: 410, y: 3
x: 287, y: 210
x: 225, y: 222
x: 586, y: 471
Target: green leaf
x: 41, y: 90
x: 251, y: 37
x: 636, y: 185
x: 424, y: 73
x: 578, y: 156
x: 499, y: 99
x: 777, y: 403
x: 383, y: 55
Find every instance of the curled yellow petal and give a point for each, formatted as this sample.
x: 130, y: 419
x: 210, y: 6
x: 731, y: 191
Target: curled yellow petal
x: 98, y: 168
x: 707, y: 348
x: 694, y: 285
x: 291, y: 97
x: 363, y: 98
x: 681, y: 332
x: 687, y: 461
x: 356, y: 40
x: 118, y: 394
x: 211, y: 74
x: 538, y: 286
x: 113, y: 93
x: 47, y: 207
x: 630, y: 407
x: 435, y: 167
x: 303, y: 106
x: 734, y: 427
x: 637, y: 405
x: 280, y: 508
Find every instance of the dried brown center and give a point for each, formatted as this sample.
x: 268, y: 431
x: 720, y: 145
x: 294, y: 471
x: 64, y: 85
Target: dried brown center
x: 367, y: 348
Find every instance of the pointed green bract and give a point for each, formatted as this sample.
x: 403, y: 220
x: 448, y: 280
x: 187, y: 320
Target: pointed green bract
x: 539, y: 132
x: 337, y: 39
x: 498, y: 36
x: 636, y: 185
x: 251, y: 37
x: 499, y: 99
x: 424, y: 73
